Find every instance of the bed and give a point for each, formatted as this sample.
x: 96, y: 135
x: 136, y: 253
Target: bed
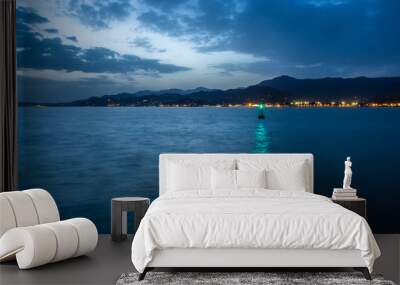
x: 245, y: 211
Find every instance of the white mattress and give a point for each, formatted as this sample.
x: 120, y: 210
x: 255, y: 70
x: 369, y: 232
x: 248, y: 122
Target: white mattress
x: 253, y: 219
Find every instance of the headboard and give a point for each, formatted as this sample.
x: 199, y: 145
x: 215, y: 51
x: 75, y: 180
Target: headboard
x: 165, y: 157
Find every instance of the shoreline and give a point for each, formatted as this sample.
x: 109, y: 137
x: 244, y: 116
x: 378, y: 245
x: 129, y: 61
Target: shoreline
x: 397, y: 105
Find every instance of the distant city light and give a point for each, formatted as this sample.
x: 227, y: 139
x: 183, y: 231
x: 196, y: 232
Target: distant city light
x: 295, y: 104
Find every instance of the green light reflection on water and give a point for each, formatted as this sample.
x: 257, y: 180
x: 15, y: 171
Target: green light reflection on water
x: 262, y: 139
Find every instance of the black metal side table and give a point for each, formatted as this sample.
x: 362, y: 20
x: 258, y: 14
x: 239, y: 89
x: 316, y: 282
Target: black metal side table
x: 119, y: 208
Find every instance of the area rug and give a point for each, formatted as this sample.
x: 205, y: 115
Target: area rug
x: 243, y: 278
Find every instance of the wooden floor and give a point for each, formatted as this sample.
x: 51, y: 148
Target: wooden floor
x: 104, y: 266
x: 111, y: 259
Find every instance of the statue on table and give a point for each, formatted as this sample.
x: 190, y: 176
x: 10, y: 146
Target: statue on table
x: 348, y: 173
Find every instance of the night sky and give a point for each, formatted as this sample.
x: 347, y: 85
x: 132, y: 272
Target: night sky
x: 68, y: 50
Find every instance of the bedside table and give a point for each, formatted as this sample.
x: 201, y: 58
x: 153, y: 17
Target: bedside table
x: 358, y: 206
x: 119, y: 208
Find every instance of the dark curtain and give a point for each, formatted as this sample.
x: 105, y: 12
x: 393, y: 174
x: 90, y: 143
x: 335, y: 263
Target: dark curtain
x: 8, y: 98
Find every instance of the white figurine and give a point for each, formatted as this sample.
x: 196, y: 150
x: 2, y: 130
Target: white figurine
x: 347, y: 174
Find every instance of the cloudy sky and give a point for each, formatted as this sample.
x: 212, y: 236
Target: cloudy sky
x: 73, y: 49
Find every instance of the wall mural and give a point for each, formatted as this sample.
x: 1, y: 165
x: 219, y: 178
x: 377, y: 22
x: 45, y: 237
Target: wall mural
x: 106, y: 86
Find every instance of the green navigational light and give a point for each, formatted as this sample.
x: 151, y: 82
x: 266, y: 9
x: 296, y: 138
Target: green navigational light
x: 261, y: 106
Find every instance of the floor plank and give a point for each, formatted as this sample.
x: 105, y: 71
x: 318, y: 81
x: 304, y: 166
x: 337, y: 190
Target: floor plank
x: 103, y: 266
x: 111, y: 259
x: 389, y: 262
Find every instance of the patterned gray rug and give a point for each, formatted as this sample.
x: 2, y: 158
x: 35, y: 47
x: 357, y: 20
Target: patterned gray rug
x: 269, y: 278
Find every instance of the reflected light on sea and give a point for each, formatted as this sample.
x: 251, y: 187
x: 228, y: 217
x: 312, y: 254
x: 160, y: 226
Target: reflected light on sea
x: 262, y: 139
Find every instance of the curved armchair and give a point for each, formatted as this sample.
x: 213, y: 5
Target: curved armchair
x: 31, y: 230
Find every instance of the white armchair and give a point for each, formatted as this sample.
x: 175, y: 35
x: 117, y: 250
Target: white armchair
x: 31, y: 230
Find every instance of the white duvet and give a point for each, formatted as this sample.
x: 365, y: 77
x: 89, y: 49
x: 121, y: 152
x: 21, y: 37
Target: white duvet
x: 250, y: 219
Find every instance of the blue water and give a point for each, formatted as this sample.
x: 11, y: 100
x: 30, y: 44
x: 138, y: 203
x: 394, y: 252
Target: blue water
x: 85, y: 156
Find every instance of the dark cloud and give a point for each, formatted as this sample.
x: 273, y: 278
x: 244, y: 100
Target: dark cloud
x: 53, y: 54
x: 166, y: 6
x: 162, y: 23
x: 145, y: 43
x: 321, y: 3
x: 52, y: 31
x: 346, y: 35
x: 186, y: 17
x: 72, y: 38
x: 29, y: 16
x: 25, y: 18
x: 314, y: 70
x: 335, y: 34
x: 99, y: 14
x: 40, y: 53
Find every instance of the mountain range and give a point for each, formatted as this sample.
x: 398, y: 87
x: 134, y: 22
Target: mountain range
x: 172, y: 91
x: 379, y: 88
x: 280, y: 90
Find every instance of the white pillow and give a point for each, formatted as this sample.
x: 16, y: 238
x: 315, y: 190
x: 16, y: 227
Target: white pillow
x: 188, y: 177
x: 193, y: 174
x: 223, y: 179
x: 251, y: 179
x: 227, y: 179
x: 293, y: 178
x: 281, y: 174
